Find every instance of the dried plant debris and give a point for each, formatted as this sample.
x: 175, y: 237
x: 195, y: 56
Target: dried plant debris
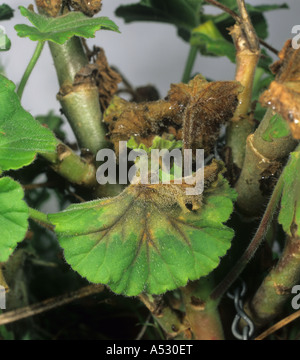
x: 88, y: 7
x: 100, y: 73
x: 283, y: 95
x: 195, y: 110
x: 50, y: 7
x: 54, y: 7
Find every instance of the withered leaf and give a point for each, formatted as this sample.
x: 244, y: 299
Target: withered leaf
x: 283, y: 95
x: 88, y: 7
x: 209, y: 106
x: 199, y: 108
x: 50, y: 7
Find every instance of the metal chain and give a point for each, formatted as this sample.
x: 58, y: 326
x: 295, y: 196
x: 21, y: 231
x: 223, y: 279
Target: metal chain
x: 248, y: 330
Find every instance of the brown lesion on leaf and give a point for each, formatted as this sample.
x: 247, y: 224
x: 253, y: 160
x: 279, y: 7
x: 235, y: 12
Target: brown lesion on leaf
x: 283, y: 95
x: 172, y: 196
x: 194, y: 112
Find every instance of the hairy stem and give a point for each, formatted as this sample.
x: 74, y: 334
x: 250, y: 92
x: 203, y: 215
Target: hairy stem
x: 40, y: 218
x: 274, y: 292
x: 235, y: 272
x: 30, y: 67
x: 49, y: 304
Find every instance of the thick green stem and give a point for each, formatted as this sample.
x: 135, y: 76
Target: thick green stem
x: 171, y: 320
x: 233, y: 275
x: 202, y: 312
x: 247, y: 57
x: 263, y: 159
x: 40, y: 218
x: 30, y: 67
x: 71, y: 166
x: 190, y: 64
x: 80, y: 101
x: 275, y: 291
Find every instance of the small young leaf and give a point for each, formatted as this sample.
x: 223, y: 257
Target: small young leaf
x: 13, y: 217
x: 143, y: 241
x: 210, y: 41
x: 289, y: 216
x: 277, y: 129
x: 62, y: 28
x: 6, y: 12
x: 21, y: 136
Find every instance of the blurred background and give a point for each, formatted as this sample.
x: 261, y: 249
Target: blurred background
x: 147, y: 53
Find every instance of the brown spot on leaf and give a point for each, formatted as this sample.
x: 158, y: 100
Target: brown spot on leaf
x: 283, y: 95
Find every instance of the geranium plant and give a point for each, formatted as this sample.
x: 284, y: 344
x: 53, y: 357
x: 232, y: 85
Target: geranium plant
x: 151, y: 260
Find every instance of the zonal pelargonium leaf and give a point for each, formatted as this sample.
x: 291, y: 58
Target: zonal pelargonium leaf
x: 62, y: 28
x: 13, y: 217
x: 289, y: 216
x: 143, y: 241
x: 21, y: 136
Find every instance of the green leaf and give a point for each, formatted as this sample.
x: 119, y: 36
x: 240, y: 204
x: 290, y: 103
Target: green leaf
x: 6, y: 12
x: 289, y: 216
x: 143, y: 241
x: 62, y: 28
x: 21, y: 136
x: 53, y: 122
x: 181, y: 13
x: 210, y: 41
x: 278, y: 128
x: 13, y: 217
x: 157, y: 143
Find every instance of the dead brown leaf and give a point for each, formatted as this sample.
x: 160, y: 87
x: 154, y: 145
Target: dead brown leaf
x: 88, y: 7
x: 198, y: 108
x: 283, y: 95
x: 50, y: 7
